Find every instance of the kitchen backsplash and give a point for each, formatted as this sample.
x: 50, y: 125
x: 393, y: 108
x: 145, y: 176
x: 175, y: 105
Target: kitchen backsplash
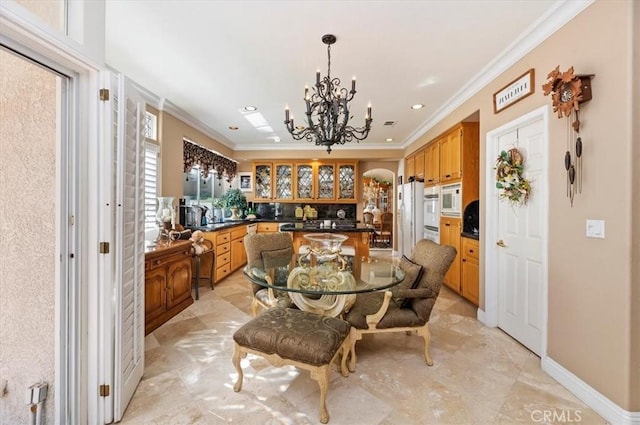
x: 282, y: 211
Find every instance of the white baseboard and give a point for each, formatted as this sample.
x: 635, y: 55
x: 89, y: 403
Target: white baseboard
x: 610, y: 411
x: 481, y: 316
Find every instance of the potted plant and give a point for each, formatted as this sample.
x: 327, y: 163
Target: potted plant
x: 218, y: 206
x: 234, y: 199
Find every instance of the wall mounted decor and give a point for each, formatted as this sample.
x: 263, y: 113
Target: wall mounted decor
x: 513, y: 186
x: 515, y: 91
x: 568, y: 91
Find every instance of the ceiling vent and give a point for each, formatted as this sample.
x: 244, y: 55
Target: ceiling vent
x: 389, y: 123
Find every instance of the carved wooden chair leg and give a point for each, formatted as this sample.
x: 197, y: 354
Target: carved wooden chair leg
x: 238, y: 354
x: 321, y: 375
x: 254, y: 307
x: 426, y: 334
x: 354, y: 336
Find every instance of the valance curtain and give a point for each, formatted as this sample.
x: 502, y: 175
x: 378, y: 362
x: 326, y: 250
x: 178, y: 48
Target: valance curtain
x: 207, y: 161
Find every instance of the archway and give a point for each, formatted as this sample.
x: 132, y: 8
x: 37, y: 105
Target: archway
x: 379, y: 194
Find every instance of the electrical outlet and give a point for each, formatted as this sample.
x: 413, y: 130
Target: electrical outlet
x: 595, y: 229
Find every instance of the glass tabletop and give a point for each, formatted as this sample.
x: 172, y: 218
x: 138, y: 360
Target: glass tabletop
x: 327, y: 279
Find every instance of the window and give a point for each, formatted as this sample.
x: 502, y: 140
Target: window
x: 151, y: 152
x: 150, y: 126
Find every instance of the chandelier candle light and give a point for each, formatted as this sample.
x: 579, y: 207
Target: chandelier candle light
x: 328, y: 110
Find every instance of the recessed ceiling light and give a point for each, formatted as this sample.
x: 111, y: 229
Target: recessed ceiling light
x: 250, y: 108
x: 233, y: 127
x: 276, y: 139
x: 417, y: 106
x: 389, y: 139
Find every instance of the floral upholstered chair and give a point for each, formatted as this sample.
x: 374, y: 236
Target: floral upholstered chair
x: 407, y: 306
x: 268, y: 254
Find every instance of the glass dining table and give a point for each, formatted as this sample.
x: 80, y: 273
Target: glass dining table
x: 328, y: 288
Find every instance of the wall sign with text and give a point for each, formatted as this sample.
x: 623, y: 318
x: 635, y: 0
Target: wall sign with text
x: 515, y: 91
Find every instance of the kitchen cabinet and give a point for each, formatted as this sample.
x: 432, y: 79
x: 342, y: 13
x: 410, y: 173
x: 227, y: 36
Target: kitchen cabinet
x: 460, y: 157
x: 238, y: 252
x: 450, y: 230
x: 167, y: 282
x: 432, y: 163
x: 418, y: 164
x: 347, y: 176
x: 450, y: 156
x: 326, y: 182
x: 304, y: 182
x: 264, y: 227
x: 471, y: 270
x: 273, y: 181
x: 223, y: 254
x: 409, y: 167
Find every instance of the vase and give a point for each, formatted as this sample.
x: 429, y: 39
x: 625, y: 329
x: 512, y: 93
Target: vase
x: 165, y: 217
x: 234, y: 213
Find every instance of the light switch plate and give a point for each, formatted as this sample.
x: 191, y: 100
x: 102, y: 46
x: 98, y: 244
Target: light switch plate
x: 595, y: 229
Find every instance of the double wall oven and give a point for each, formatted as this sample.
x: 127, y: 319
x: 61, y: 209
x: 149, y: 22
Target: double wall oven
x: 431, y: 222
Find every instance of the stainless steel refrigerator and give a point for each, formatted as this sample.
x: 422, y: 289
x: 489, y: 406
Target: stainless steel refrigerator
x: 411, y: 209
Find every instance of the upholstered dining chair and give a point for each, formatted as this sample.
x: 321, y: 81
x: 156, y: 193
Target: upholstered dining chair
x: 367, y: 217
x: 383, y: 237
x: 271, y: 251
x: 407, y: 306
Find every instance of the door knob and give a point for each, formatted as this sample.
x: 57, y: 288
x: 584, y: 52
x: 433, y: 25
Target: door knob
x: 501, y: 244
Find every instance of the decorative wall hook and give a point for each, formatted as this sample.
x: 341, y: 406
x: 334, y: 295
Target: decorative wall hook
x: 568, y: 92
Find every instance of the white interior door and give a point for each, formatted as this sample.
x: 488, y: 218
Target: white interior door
x: 521, y: 243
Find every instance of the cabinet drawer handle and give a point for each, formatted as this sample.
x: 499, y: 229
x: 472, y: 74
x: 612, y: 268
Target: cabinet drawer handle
x: 447, y: 175
x: 158, y: 262
x: 447, y: 224
x: 471, y: 250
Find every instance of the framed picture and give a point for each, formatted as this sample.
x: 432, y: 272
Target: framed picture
x: 515, y: 91
x: 246, y: 182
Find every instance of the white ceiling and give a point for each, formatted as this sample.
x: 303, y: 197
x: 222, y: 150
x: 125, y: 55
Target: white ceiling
x: 211, y: 58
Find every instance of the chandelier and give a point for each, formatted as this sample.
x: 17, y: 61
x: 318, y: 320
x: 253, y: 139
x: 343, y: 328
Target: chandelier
x: 328, y: 110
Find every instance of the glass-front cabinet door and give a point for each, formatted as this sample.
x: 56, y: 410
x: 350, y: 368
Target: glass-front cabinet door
x: 283, y: 182
x: 303, y: 178
x: 263, y: 175
x: 347, y: 182
x: 326, y: 182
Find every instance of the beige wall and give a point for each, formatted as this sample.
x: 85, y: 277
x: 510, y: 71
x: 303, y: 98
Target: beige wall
x: 28, y: 99
x: 590, y: 304
x: 634, y: 352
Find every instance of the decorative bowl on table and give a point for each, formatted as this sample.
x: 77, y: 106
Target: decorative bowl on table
x: 325, y: 246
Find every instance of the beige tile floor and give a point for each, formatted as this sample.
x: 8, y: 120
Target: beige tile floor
x: 480, y: 375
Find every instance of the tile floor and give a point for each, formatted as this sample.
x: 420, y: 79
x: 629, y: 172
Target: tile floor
x: 480, y: 375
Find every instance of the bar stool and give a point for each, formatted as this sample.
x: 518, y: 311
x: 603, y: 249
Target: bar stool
x: 197, y: 259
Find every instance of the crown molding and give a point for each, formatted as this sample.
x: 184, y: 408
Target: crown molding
x: 168, y: 106
x: 554, y: 19
x: 305, y: 146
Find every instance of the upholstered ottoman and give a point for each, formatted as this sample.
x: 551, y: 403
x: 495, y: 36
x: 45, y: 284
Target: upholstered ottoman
x: 285, y: 336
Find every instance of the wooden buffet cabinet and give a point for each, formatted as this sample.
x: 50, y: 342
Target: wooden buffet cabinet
x: 167, y: 282
x: 450, y: 229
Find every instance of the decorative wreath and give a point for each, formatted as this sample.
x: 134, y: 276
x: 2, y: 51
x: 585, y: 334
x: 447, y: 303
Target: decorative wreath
x: 509, y: 168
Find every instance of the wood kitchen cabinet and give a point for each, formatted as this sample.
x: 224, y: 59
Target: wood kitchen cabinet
x: 432, y: 163
x: 409, y: 167
x: 265, y: 227
x: 347, y: 176
x: 238, y: 252
x: 450, y: 230
x: 223, y: 254
x: 459, y: 155
x: 273, y: 181
x: 419, y: 164
x: 167, y: 282
x: 471, y: 270
x: 326, y: 182
x: 304, y: 182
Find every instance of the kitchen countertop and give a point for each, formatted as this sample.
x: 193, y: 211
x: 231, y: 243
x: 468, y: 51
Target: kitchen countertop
x: 470, y: 235
x: 342, y: 228
x: 288, y: 222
